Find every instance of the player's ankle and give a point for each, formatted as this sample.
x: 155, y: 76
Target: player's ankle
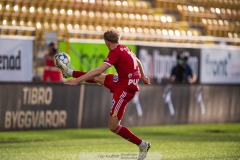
x: 142, y: 144
x: 69, y: 72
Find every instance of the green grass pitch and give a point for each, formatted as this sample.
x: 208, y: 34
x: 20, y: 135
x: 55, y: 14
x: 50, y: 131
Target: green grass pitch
x: 173, y: 142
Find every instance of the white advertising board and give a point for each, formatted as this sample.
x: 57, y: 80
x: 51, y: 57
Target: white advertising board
x: 220, y: 65
x: 16, y: 60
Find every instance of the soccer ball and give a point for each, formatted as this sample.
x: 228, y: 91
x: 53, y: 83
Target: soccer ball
x: 63, y: 57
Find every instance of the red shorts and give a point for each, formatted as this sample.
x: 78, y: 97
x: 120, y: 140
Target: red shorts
x: 120, y: 97
x: 111, y: 82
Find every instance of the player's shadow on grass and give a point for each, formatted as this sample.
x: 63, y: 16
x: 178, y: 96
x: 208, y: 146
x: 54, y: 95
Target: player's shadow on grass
x: 215, y: 131
x: 204, y: 135
x: 14, y: 140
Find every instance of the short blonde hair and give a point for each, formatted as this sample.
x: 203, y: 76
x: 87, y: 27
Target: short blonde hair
x: 112, y: 35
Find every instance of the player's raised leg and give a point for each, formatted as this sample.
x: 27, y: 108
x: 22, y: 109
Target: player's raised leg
x: 67, y: 72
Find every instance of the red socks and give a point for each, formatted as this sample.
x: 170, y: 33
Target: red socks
x: 77, y: 74
x: 127, y: 134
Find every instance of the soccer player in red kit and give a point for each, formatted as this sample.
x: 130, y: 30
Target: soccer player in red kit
x: 124, y: 86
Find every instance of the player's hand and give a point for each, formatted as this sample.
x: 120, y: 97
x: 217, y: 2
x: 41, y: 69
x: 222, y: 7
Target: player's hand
x: 72, y: 82
x: 146, y: 80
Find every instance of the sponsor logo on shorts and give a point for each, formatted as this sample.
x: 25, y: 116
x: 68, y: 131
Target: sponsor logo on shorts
x: 113, y: 102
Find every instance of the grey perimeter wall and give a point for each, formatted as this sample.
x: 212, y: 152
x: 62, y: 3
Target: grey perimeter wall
x: 46, y: 106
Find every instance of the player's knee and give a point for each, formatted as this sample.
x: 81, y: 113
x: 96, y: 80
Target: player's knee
x: 113, y: 123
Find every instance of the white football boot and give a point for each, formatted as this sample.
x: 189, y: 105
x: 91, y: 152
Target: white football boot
x: 62, y: 67
x: 143, y: 150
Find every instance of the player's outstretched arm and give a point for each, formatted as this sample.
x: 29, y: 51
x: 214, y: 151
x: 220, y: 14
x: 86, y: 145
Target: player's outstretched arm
x: 145, y: 79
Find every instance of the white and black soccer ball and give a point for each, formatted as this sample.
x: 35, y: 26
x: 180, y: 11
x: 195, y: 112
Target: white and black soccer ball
x: 64, y: 58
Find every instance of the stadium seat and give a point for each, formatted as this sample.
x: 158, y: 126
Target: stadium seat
x: 211, y: 17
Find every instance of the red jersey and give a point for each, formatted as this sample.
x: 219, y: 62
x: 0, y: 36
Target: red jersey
x: 125, y: 63
x: 49, y: 61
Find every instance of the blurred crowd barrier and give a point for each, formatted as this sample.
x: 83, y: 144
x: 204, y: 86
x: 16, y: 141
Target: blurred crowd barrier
x: 47, y: 106
x: 212, y: 64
